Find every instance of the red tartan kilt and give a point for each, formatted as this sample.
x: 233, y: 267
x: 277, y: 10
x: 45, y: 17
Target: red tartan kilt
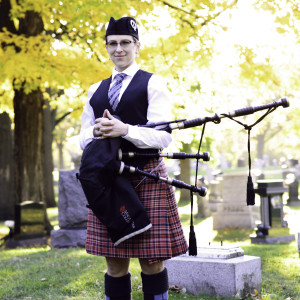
x: 165, y: 239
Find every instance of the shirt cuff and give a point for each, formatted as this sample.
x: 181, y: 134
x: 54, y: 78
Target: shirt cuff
x: 130, y: 132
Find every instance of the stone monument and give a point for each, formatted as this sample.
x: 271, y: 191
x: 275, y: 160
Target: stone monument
x: 72, y: 213
x: 215, y: 194
x: 233, y: 211
x: 273, y: 227
x: 293, y: 186
x: 216, y: 271
x: 28, y: 226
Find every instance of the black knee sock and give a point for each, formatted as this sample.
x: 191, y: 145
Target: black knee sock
x: 155, y: 284
x: 118, y: 288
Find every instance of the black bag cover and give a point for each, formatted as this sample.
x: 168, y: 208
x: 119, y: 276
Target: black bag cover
x: 110, y: 195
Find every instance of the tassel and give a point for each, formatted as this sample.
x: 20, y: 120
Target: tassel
x: 250, y: 188
x: 250, y: 192
x: 192, y: 242
x: 192, y: 237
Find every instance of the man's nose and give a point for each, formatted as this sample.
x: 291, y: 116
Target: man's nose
x: 119, y: 48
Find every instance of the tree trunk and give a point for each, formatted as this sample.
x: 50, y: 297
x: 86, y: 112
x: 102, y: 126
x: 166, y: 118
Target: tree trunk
x: 6, y: 169
x: 48, y: 158
x: 28, y: 151
x: 203, y: 209
x: 60, y: 146
x: 185, y: 175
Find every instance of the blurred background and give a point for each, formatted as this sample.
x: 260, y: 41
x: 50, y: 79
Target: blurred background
x: 217, y: 56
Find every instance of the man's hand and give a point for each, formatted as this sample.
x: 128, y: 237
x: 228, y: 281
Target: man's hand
x: 108, y: 126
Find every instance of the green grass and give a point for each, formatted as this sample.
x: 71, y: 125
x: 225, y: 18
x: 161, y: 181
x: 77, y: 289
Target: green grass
x: 280, y: 265
x: 45, y: 273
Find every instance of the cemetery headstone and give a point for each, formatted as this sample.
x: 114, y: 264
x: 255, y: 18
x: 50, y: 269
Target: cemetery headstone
x: 233, y: 210
x: 215, y: 194
x: 273, y: 228
x: 29, y: 225
x: 218, y: 271
x: 29, y: 220
x: 293, y: 187
x: 72, y: 212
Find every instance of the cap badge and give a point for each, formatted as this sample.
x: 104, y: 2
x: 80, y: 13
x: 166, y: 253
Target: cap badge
x: 133, y: 25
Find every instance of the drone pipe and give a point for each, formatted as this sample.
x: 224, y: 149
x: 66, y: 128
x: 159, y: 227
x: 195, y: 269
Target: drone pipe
x: 180, y: 155
x: 177, y: 183
x: 236, y: 113
x: 252, y: 109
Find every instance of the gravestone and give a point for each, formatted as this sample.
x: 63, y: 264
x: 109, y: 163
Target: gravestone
x: 293, y: 199
x: 241, y: 163
x: 6, y: 169
x: 29, y: 220
x: 233, y: 211
x: 203, y: 208
x: 72, y: 212
x: 28, y: 226
x: 215, y: 194
x: 216, y: 271
x: 273, y: 228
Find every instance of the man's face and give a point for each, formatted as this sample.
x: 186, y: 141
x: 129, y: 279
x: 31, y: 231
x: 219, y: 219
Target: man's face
x: 122, y: 50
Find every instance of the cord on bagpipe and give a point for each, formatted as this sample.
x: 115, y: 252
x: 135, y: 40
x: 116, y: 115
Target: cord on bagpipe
x: 182, y: 124
x: 216, y: 118
x: 250, y: 187
x: 192, y: 235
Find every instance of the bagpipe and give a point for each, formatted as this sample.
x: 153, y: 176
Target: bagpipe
x: 216, y: 118
x: 183, y: 124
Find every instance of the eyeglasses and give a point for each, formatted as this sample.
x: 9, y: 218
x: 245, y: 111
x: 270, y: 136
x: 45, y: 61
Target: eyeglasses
x: 113, y: 45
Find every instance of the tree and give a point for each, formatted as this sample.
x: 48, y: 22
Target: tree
x: 182, y: 49
x: 30, y: 33
x: 57, y: 45
x: 251, y: 66
x: 31, y: 63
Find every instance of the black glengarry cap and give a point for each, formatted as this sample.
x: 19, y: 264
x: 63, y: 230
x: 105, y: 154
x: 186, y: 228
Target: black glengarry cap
x: 123, y: 26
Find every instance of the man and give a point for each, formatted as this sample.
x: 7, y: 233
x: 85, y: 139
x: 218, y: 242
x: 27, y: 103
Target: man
x: 136, y: 97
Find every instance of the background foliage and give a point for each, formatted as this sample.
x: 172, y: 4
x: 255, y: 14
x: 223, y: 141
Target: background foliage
x: 214, y: 61
x: 216, y: 56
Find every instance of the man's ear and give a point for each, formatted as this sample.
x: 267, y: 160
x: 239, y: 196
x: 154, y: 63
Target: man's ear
x: 138, y: 46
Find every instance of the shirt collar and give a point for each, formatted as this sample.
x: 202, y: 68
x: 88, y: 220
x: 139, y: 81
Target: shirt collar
x: 130, y: 71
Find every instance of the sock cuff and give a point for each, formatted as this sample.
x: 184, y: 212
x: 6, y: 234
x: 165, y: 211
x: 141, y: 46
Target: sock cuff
x: 155, y: 284
x: 117, y: 286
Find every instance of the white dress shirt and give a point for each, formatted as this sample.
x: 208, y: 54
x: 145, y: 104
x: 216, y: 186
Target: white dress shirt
x: 159, y: 110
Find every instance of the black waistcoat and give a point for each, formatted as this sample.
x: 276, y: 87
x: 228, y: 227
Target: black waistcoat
x: 132, y: 108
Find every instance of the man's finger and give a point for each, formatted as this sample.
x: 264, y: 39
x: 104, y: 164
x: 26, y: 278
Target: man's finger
x: 108, y: 115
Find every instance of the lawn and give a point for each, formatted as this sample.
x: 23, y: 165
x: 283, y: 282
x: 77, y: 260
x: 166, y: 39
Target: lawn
x: 45, y: 273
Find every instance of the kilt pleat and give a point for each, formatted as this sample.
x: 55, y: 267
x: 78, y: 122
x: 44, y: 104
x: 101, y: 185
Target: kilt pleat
x: 165, y: 239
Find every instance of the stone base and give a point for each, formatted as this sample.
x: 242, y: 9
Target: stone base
x: 65, y: 238
x: 28, y: 242
x: 271, y: 239
x: 228, y: 220
x: 293, y: 202
x: 213, y: 205
x: 216, y: 277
